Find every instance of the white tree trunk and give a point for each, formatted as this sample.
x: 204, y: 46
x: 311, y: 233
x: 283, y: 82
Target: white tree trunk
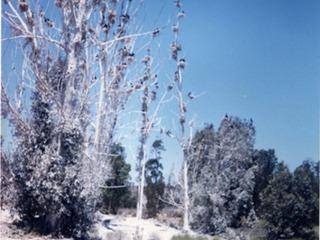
x: 186, y: 197
x: 139, y: 210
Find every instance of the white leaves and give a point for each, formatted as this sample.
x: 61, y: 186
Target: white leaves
x: 225, y: 174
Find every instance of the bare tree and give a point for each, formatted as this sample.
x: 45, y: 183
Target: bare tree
x: 148, y: 123
x: 80, y: 69
x: 176, y: 84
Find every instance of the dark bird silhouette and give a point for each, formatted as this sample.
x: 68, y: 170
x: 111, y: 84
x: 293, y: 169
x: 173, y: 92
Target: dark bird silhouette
x: 48, y: 22
x: 124, y: 18
x: 153, y: 95
x: 155, y: 78
x: 226, y: 116
x: 156, y: 33
x: 169, y: 134
x: 190, y: 95
x: 105, y: 28
x: 182, y: 63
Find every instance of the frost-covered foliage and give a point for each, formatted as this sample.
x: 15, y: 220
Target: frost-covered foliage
x: 221, y: 179
x: 47, y: 172
x: 79, y: 69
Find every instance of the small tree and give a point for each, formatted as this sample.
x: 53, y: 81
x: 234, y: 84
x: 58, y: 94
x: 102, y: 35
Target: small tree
x: 117, y: 186
x: 155, y: 181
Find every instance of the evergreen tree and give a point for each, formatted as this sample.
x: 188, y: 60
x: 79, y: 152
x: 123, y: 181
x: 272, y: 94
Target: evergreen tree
x: 114, y: 198
x: 46, y: 168
x: 306, y: 180
x: 222, y: 193
x: 199, y: 152
x: 288, y: 205
x: 311, y: 169
x: 266, y: 162
x: 155, y: 181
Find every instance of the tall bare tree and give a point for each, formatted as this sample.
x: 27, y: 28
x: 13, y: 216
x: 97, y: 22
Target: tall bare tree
x: 176, y: 85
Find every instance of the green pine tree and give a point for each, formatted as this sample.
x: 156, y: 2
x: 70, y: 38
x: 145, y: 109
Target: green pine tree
x: 155, y: 181
x: 114, y: 198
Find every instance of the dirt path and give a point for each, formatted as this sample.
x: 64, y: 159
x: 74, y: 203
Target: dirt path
x: 110, y: 226
x: 107, y: 227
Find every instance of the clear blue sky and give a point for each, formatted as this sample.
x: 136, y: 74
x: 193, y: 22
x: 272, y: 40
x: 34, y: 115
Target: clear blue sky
x: 254, y: 59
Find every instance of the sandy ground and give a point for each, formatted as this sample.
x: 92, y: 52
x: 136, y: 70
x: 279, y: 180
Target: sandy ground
x: 110, y: 226
x: 107, y: 227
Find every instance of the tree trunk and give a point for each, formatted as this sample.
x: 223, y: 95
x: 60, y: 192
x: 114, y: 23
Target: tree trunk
x: 186, y: 197
x: 139, y: 214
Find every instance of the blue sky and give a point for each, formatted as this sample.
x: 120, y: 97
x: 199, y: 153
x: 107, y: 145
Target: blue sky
x: 250, y: 59
x: 254, y: 59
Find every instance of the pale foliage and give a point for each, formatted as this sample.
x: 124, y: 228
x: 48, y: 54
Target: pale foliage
x: 222, y: 177
x: 80, y: 69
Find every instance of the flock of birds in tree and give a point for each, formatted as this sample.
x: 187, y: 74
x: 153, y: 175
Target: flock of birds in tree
x: 105, y: 27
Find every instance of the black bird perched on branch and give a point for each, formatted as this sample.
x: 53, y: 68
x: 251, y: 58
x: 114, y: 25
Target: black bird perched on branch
x: 105, y: 28
x: 41, y: 14
x: 182, y: 63
x: 124, y: 18
x: 153, y: 95
x: 226, y: 116
x: 181, y: 14
x: 156, y: 33
x: 190, y: 95
x: 169, y: 134
x: 175, y: 28
x: 155, y: 78
x: 48, y: 22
